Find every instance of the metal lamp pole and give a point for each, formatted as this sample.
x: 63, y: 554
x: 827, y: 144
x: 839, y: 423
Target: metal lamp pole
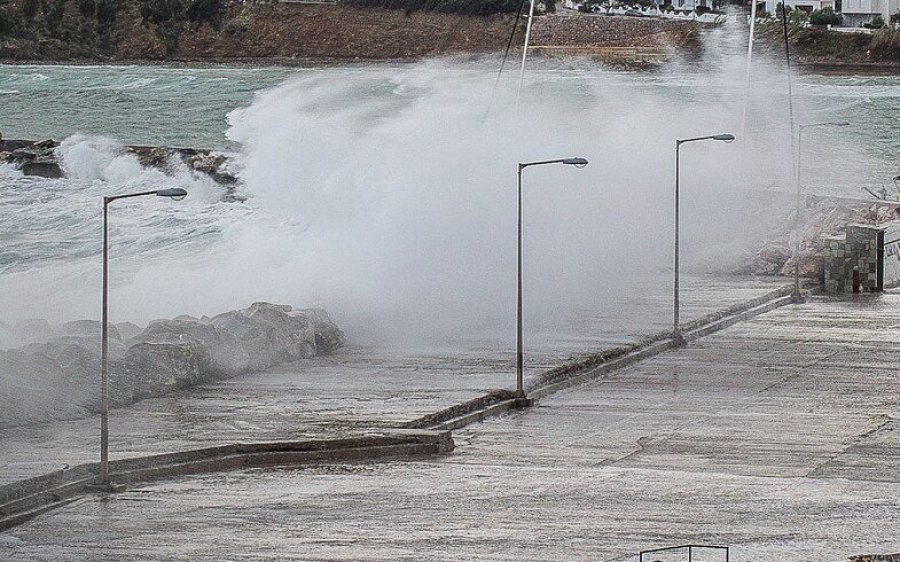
x: 520, y: 386
x: 677, y: 337
x: 796, y: 296
x: 176, y: 194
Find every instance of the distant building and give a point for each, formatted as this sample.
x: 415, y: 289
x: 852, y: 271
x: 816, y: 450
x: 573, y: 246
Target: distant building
x: 806, y: 5
x: 855, y: 13
x: 859, y: 12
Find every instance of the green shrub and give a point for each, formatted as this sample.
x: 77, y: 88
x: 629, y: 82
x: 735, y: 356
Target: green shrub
x: 825, y: 16
x: 832, y: 45
x: 466, y: 7
x: 876, y: 23
x: 5, y: 19
x: 702, y: 10
x: 53, y: 11
x: 29, y: 9
x: 87, y: 8
x: 106, y: 13
x: 208, y: 11
x: 161, y: 11
x: 885, y: 45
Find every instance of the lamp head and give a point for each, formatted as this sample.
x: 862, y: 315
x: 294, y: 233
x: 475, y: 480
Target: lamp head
x: 175, y: 193
x: 727, y: 137
x: 577, y: 162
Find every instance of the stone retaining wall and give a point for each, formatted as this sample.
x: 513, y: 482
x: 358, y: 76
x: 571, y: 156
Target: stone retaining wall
x: 853, y: 262
x: 601, y: 30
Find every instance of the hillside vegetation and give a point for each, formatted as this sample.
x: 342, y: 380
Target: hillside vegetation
x: 818, y: 44
x: 213, y: 30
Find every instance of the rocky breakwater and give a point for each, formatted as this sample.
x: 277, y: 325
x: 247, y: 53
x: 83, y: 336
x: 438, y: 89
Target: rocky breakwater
x: 56, y: 373
x: 41, y: 158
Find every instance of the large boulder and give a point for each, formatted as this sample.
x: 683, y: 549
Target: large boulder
x: 34, y: 329
x: 128, y: 330
x: 273, y: 334
x: 38, y: 387
x: 225, y: 351
x: 153, y: 369
x: 89, y: 329
x: 60, y: 378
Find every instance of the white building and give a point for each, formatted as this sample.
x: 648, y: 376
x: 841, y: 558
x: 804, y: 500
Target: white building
x: 859, y: 12
x: 806, y: 5
x: 855, y: 12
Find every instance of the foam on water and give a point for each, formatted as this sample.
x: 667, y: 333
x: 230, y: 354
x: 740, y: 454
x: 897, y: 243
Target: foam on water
x: 386, y: 195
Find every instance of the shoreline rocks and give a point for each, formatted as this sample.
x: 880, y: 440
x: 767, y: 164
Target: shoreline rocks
x: 39, y: 158
x: 59, y: 377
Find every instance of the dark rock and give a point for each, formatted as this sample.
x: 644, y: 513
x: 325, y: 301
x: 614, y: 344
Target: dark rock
x: 42, y: 169
x: 88, y: 328
x: 225, y: 350
x: 60, y: 378
x: 35, y: 329
x: 274, y: 334
x: 152, y: 369
x: 91, y: 343
x: 127, y: 330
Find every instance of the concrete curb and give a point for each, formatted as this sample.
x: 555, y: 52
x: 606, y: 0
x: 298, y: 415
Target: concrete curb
x: 26, y: 499
x: 601, y: 364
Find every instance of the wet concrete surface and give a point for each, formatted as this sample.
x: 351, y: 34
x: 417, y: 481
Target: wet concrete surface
x: 778, y: 437
x: 356, y: 390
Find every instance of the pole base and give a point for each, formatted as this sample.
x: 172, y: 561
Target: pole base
x: 105, y: 488
x: 798, y: 298
x: 678, y: 339
x: 522, y: 402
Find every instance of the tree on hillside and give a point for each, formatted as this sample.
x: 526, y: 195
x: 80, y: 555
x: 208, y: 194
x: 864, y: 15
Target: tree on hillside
x: 825, y: 16
x: 5, y: 18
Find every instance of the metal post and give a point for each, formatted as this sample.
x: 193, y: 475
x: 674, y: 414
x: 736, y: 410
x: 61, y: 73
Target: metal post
x: 520, y: 389
x: 104, y: 342
x: 176, y: 194
x: 521, y: 400
x: 677, y: 338
x: 796, y: 292
x: 525, y: 52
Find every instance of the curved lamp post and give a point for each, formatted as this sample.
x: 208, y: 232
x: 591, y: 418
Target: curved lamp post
x: 520, y: 387
x: 795, y: 294
x: 176, y: 194
x: 677, y: 338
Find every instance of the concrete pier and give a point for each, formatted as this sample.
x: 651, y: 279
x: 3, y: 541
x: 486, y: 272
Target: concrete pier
x: 777, y: 436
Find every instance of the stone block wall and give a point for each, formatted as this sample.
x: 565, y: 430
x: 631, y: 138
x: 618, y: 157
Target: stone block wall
x: 853, y: 261
x: 602, y: 30
x: 892, y: 254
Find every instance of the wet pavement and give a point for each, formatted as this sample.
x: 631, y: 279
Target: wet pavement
x: 356, y: 390
x: 779, y: 437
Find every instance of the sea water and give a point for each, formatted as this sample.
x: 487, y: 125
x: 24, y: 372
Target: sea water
x: 386, y: 192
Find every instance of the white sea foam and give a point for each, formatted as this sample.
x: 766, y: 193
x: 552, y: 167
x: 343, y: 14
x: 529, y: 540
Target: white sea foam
x: 387, y: 195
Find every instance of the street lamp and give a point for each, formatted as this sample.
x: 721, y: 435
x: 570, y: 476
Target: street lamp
x: 520, y: 387
x: 677, y: 338
x: 795, y: 294
x: 176, y: 194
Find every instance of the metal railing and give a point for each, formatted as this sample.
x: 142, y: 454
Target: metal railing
x: 690, y: 550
